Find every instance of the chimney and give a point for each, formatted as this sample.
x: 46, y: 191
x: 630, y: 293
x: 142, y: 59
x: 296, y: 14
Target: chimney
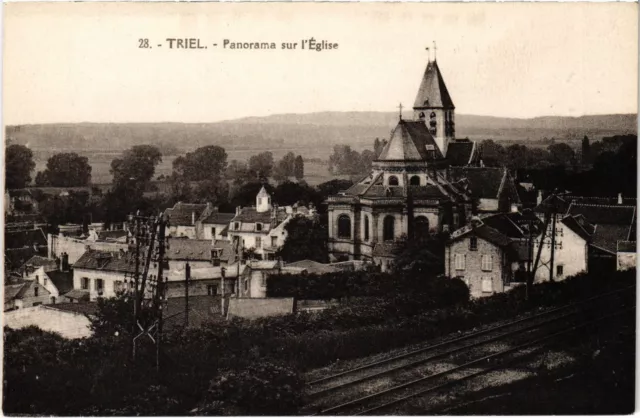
x: 62, y: 262
x: 539, y: 199
x: 619, y: 198
x: 238, y: 209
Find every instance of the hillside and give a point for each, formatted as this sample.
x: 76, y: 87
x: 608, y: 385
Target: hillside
x: 313, y: 131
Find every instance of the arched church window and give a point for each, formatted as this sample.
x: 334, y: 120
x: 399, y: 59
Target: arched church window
x: 415, y: 181
x: 393, y: 181
x: 388, y: 228
x: 366, y: 228
x: 344, y: 226
x: 421, y: 225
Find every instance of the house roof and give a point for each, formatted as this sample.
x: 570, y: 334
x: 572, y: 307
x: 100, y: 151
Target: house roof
x: 604, y: 214
x: 626, y: 246
x: 251, y: 215
x: 206, y: 273
x: 218, y: 218
x: 410, y: 141
x: 39, y: 261
x: 77, y: 294
x: 484, y: 182
x: 183, y: 213
x: 579, y: 225
x: 189, y: 249
x: 16, y: 257
x: 26, y: 238
x: 606, y: 236
x: 227, y: 249
x: 104, y: 235
x: 12, y: 291
x: 504, y: 224
x: 63, y: 280
x: 313, y: 266
x: 263, y: 264
x: 461, y: 152
x: 432, y: 91
x: 106, y: 261
x: 484, y: 232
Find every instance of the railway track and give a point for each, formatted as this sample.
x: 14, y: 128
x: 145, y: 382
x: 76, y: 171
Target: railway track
x: 346, y: 388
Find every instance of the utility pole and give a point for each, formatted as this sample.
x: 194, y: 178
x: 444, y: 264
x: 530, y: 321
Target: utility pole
x: 160, y: 289
x: 187, y: 276
x: 553, y: 244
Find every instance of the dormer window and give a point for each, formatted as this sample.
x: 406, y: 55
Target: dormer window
x: 236, y: 225
x: 258, y: 226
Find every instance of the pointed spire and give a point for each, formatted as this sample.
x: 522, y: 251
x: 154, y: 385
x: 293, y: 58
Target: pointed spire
x: 433, y: 92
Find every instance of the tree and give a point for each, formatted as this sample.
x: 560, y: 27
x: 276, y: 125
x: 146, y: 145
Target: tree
x: 18, y: 166
x: 492, y: 154
x: 516, y: 156
x: 136, y: 168
x: 586, y: 151
x: 261, y: 165
x: 306, y: 239
x: 204, y: 163
x: 65, y: 170
x: 238, y: 172
x: 561, y: 154
x: 298, y: 168
x: 288, y: 193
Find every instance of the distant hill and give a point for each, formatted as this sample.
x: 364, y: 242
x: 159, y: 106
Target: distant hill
x: 313, y: 131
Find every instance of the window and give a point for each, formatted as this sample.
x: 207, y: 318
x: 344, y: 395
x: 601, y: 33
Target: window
x: 99, y: 285
x: 415, y: 181
x: 459, y: 261
x: 263, y: 280
x: 246, y: 285
x: 213, y: 232
x: 456, y: 220
x: 559, y: 270
x: 366, y: 228
x: 236, y: 225
x: 36, y: 290
x: 259, y: 201
x: 274, y: 241
x: 388, y: 228
x: 258, y: 242
x: 487, y: 263
x: 37, y: 279
x: 392, y: 181
x: 45, y: 280
x: 84, y: 283
x: 258, y: 227
x: 53, y: 300
x: 487, y: 285
x: 212, y: 290
x: 344, y: 226
x: 117, y: 286
x: 473, y: 244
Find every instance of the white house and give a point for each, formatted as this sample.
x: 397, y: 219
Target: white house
x: 103, y: 274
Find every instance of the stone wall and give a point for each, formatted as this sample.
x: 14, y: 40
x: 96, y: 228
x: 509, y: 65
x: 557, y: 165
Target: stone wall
x: 255, y: 308
x: 68, y: 324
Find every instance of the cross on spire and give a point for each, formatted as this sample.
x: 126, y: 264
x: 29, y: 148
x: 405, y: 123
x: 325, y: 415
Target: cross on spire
x: 400, y: 111
x: 435, y: 50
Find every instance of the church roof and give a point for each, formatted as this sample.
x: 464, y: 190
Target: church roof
x: 484, y: 182
x: 461, y: 152
x: 410, y: 141
x: 433, y: 92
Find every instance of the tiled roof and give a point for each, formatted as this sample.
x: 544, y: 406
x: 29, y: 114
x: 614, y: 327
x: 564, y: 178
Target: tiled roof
x: 626, y: 246
x: 16, y: 257
x: 189, y: 249
x: 606, y: 236
x: 484, y: 232
x: 227, y: 249
x: 22, y: 239
x: 251, y: 215
x: 263, y: 264
x: 432, y: 91
x: 105, y: 260
x: 604, y: 214
x: 410, y: 141
x: 484, y: 182
x: 218, y: 218
x: 63, y: 280
x: 11, y: 291
x: 104, y: 235
x: 39, y: 261
x: 503, y: 223
x: 182, y: 213
x: 460, y: 152
x: 85, y: 308
x: 77, y: 294
x: 579, y: 225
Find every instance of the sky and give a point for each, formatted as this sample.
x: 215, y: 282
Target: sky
x: 81, y: 62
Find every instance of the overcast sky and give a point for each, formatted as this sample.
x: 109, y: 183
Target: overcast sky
x: 80, y: 62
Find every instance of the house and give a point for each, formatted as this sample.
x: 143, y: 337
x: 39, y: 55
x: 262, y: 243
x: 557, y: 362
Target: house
x: 492, y: 189
x: 203, y: 281
x: 22, y: 245
x: 25, y: 294
x: 488, y: 260
x: 69, y: 320
x: 199, y: 253
x: 75, y: 247
x: 182, y: 219
x: 611, y: 223
x: 260, y: 228
x: 253, y: 281
x: 101, y: 274
x: 214, y: 227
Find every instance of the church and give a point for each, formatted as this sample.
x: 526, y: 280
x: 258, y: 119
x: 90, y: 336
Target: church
x: 423, y: 181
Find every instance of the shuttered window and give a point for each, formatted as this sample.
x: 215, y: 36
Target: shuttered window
x: 460, y: 261
x: 487, y: 263
x: 487, y: 285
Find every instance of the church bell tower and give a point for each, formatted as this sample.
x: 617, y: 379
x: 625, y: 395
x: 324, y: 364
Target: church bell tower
x: 434, y: 106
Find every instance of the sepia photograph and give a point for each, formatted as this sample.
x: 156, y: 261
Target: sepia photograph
x: 296, y: 209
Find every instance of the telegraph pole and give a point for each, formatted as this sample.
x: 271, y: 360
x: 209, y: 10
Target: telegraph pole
x: 187, y: 276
